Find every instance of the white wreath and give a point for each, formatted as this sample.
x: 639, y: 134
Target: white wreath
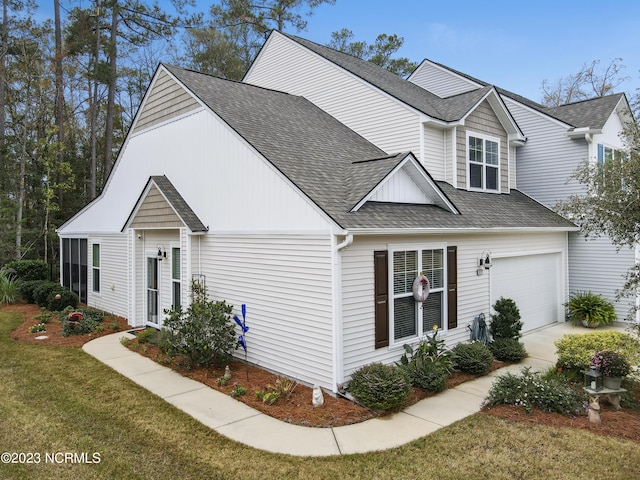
x: 421, y: 288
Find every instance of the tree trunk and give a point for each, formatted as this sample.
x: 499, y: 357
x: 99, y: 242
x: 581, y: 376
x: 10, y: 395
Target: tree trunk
x: 21, y: 193
x: 3, y: 74
x: 59, y: 105
x: 93, y: 106
x: 111, y: 95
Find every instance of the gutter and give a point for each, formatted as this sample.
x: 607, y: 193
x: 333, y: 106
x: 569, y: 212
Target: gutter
x: 449, y: 231
x: 338, y: 339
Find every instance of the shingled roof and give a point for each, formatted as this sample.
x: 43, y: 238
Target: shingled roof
x: 450, y: 109
x: 328, y: 162
x: 592, y: 113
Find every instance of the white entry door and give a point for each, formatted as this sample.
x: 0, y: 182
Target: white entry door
x: 535, y: 283
x: 153, y: 292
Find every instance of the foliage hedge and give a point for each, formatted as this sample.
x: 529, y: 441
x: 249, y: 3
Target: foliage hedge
x: 27, y: 270
x: 383, y: 387
x: 67, y: 298
x: 428, y: 374
x: 475, y: 357
x: 43, y: 290
x: 575, y: 350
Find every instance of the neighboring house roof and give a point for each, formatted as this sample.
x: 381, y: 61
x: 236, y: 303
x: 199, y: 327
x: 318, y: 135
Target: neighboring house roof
x: 450, y: 109
x: 328, y: 162
x: 175, y: 201
x: 592, y: 113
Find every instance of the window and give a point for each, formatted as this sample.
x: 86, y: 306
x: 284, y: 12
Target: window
x: 410, y: 319
x: 74, y: 266
x: 484, y: 163
x: 176, y: 283
x: 95, y: 266
x: 606, y: 154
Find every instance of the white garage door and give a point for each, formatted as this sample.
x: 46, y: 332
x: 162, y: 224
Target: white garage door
x: 534, y: 282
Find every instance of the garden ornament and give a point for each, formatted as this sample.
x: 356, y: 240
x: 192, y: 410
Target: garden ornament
x: 317, y: 399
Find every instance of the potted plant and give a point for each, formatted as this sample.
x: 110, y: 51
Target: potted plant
x: 613, y: 366
x: 590, y: 309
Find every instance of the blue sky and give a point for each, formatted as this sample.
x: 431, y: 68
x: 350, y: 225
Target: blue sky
x: 514, y: 45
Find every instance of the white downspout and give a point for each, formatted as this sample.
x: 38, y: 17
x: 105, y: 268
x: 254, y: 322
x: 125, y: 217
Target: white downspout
x: 338, y: 343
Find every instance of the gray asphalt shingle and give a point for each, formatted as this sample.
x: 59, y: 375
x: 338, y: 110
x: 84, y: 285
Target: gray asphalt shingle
x: 335, y: 167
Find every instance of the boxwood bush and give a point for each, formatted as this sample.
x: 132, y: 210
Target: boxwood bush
x: 475, y: 357
x: 383, y: 387
x: 575, y: 350
x: 67, y: 298
x: 27, y: 270
x: 507, y: 349
x: 43, y: 290
x: 427, y: 374
x: 505, y: 323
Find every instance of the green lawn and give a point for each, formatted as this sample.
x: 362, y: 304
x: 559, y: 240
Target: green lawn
x: 59, y: 399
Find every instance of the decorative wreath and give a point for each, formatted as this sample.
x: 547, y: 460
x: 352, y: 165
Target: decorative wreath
x: 421, y: 288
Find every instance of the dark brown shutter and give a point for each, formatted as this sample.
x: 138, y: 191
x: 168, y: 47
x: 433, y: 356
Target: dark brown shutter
x: 381, y: 294
x: 452, y: 287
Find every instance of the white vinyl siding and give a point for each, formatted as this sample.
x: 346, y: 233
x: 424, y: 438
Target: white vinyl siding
x: 287, y: 66
x: 285, y: 281
x: 441, y: 81
x: 433, y: 155
x: 549, y: 157
x: 595, y: 265
x: 473, y: 289
x: 114, y: 285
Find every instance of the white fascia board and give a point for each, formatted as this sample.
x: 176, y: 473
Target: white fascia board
x: 453, y: 231
x: 417, y: 168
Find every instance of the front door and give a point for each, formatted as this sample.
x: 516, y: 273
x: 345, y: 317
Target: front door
x: 153, y: 296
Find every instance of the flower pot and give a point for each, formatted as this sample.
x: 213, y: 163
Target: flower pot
x: 612, y: 382
x: 592, y: 325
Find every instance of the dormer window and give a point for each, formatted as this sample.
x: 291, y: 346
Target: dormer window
x: 483, y: 163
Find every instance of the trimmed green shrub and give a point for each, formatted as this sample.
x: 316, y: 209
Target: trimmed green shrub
x: 146, y: 335
x: 86, y: 325
x: 531, y: 389
x: 591, y: 308
x: 575, y: 350
x: 383, y: 387
x: 428, y: 374
x: 67, y: 298
x: 475, y: 357
x: 27, y: 270
x: 27, y: 288
x: 43, y: 290
x: 505, y: 323
x: 508, y: 349
x: 204, y: 333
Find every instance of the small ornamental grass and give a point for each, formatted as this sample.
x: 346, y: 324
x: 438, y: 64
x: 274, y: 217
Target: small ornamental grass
x: 474, y: 358
x: 532, y: 390
x: 383, y: 387
x: 508, y: 349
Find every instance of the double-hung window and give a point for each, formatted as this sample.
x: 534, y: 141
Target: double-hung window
x: 409, y: 318
x: 176, y: 283
x: 95, y: 266
x: 484, y: 163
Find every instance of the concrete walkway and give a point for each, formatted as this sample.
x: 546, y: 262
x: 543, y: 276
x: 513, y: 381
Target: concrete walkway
x: 243, y: 424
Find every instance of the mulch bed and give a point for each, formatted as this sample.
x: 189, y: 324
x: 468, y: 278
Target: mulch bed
x: 298, y: 410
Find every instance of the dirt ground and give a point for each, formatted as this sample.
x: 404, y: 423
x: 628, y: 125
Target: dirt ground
x: 335, y: 411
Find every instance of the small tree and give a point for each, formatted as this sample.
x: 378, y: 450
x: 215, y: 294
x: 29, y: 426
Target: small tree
x: 506, y: 322
x: 203, y: 333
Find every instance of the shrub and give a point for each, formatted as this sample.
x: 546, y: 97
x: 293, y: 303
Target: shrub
x: 475, y: 357
x: 86, y: 325
x: 59, y: 300
x: 8, y: 287
x: 383, y: 387
x: 428, y: 374
x: 430, y: 348
x: 204, y: 333
x: 591, y: 308
x: 26, y: 289
x: 505, y: 323
x: 508, y: 349
x: 27, y: 270
x: 147, y: 335
x: 531, y: 390
x: 43, y: 290
x: 575, y: 350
